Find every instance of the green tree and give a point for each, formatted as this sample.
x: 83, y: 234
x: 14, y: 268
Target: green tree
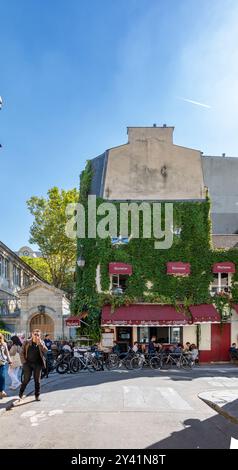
x: 40, y: 265
x: 48, y: 232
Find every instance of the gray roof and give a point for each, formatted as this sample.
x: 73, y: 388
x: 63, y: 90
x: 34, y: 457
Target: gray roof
x: 98, y: 165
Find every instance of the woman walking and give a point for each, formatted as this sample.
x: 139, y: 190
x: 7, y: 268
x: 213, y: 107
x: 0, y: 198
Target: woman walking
x: 4, y: 359
x: 13, y: 369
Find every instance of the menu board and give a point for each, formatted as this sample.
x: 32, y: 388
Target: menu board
x: 107, y: 340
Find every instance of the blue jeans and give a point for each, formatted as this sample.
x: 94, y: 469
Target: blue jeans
x: 3, y: 370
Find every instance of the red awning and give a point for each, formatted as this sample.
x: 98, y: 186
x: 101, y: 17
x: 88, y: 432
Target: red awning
x: 73, y: 321
x: 204, y: 313
x: 120, y: 268
x: 225, y: 267
x: 177, y: 267
x: 144, y: 315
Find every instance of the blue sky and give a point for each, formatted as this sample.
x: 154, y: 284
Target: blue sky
x: 75, y: 73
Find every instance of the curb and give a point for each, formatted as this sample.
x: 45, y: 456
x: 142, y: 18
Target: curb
x: 220, y: 410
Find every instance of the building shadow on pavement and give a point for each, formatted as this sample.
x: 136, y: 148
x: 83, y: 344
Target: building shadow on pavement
x: 85, y: 378
x: 212, y: 433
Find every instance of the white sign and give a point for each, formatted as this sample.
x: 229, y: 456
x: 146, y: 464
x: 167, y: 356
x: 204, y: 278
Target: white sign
x: 107, y: 340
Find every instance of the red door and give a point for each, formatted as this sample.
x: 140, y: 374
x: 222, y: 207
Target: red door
x: 220, y: 341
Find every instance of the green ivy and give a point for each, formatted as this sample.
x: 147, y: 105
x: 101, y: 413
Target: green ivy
x: 194, y: 246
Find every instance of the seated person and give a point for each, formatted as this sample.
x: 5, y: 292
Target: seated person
x: 116, y: 348
x: 193, y: 353
x: 135, y: 347
x: 152, y: 345
x: 187, y: 347
x: 66, y: 347
x: 178, y: 349
x: 159, y: 348
x: 233, y: 351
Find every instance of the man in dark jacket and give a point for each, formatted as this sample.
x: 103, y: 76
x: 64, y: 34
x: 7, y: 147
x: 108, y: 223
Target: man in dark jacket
x: 33, y: 360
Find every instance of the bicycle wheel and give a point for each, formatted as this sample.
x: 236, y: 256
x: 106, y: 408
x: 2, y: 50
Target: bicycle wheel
x: 127, y: 363
x: 136, y: 363
x: 155, y: 363
x: 112, y: 362
x: 97, y: 364
x: 166, y: 363
x: 90, y: 365
x: 74, y: 365
x: 62, y: 367
x: 187, y: 364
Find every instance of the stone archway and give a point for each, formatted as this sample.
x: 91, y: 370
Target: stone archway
x: 44, y: 323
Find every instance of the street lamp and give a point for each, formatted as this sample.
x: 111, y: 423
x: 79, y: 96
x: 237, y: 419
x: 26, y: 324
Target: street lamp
x: 81, y: 262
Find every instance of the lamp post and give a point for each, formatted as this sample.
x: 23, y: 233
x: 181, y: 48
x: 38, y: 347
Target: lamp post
x: 81, y: 262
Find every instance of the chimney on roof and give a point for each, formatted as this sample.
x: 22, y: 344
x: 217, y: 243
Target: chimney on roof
x: 223, y: 154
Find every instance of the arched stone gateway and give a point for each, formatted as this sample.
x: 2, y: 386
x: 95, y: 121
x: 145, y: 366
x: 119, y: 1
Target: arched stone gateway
x: 44, y: 323
x: 45, y: 307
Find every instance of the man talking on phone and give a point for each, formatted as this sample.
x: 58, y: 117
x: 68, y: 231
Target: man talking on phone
x: 33, y: 360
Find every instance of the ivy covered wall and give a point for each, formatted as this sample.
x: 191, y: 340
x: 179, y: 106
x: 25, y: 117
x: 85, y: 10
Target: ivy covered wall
x: 149, y: 264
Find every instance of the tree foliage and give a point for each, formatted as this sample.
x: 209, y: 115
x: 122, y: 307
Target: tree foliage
x: 48, y: 232
x: 40, y: 265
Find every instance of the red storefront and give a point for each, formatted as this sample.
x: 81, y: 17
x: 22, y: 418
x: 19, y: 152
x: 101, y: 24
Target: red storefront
x: 201, y: 324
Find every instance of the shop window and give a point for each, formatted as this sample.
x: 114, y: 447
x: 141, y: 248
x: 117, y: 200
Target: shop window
x: 163, y: 334
x: 175, y: 334
x: 143, y: 334
x: 221, y: 283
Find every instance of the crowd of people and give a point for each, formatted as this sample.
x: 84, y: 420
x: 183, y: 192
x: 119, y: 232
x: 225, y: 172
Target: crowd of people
x: 31, y: 354
x: 154, y: 347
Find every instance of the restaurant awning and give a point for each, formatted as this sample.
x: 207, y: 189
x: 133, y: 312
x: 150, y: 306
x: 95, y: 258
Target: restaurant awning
x: 120, y: 268
x: 73, y: 321
x: 204, y: 313
x: 177, y: 267
x: 224, y: 267
x: 144, y: 315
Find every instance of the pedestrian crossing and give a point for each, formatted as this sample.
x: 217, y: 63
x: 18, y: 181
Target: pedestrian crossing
x: 221, y: 382
x: 154, y: 399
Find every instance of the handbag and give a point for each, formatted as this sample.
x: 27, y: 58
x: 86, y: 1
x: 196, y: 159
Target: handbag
x: 16, y: 360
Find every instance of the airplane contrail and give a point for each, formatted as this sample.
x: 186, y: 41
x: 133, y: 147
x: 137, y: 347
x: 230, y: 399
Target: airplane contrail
x: 195, y: 102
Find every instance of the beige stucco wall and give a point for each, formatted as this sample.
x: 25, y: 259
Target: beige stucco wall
x: 190, y: 334
x: 134, y: 334
x: 134, y: 169
x: 234, y: 327
x: 205, y: 341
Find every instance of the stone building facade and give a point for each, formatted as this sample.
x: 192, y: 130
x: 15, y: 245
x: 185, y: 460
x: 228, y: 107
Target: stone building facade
x: 27, y: 301
x: 45, y: 307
